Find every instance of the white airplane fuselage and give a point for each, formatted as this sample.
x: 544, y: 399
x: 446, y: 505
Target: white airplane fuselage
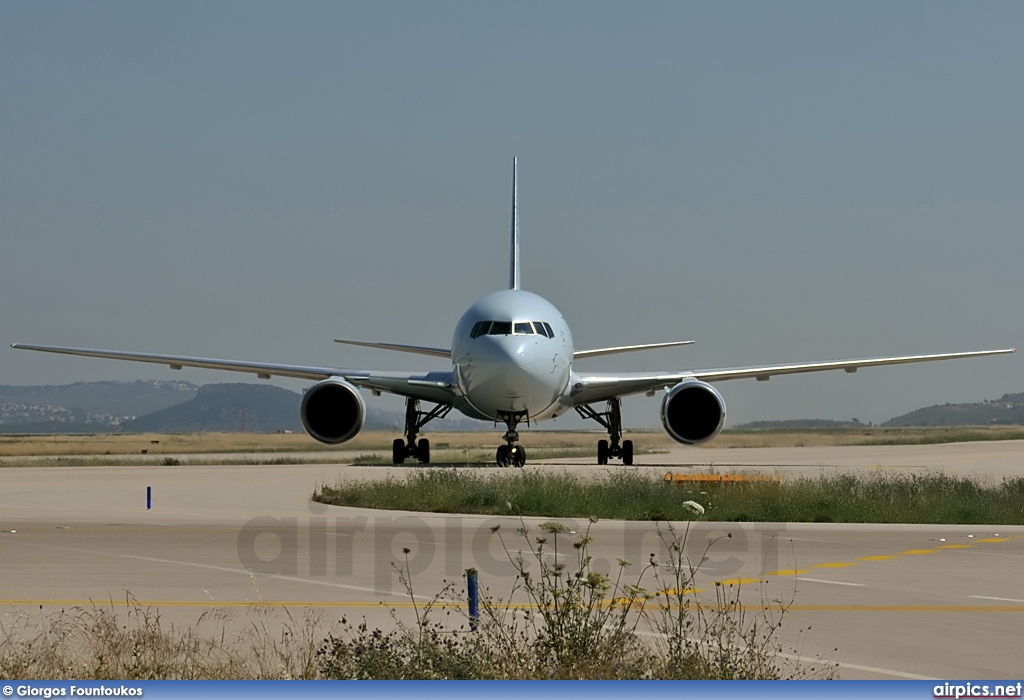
x: 512, y: 353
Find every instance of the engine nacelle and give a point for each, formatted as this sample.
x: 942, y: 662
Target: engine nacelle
x: 693, y: 412
x: 332, y: 411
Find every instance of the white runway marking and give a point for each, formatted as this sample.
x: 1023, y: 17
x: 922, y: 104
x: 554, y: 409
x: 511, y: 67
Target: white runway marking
x: 834, y: 583
x: 1005, y: 600
x: 858, y: 667
x: 227, y: 569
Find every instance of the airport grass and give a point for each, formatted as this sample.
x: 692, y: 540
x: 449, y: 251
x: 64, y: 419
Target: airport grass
x: 875, y: 498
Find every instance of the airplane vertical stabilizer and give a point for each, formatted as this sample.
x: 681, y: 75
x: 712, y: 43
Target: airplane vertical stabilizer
x: 513, y: 271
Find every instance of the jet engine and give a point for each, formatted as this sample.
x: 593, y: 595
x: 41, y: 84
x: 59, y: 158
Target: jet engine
x: 332, y: 411
x: 693, y: 412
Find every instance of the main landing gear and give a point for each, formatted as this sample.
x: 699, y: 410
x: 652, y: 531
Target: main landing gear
x: 510, y: 454
x: 414, y: 420
x: 611, y: 420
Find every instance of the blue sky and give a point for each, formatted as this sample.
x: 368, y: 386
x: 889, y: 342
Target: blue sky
x: 788, y: 181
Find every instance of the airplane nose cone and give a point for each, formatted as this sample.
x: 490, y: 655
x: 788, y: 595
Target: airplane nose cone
x: 507, y: 362
x: 511, y: 373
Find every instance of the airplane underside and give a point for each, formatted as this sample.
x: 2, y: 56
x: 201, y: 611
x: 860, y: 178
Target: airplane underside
x: 511, y: 454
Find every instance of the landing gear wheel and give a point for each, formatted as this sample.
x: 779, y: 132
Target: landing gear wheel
x: 611, y: 420
x: 517, y: 456
x: 503, y: 457
x: 415, y: 419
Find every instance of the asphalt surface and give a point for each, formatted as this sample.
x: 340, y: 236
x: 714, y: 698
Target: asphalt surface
x: 881, y: 601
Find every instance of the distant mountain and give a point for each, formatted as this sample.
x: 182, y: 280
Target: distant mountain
x: 134, y: 398
x: 166, y: 406
x: 1008, y: 410
x: 162, y: 406
x: 225, y: 408
x: 85, y: 406
x: 256, y: 408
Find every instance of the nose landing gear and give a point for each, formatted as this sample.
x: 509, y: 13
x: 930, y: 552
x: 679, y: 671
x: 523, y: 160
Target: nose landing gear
x: 511, y: 454
x: 611, y: 420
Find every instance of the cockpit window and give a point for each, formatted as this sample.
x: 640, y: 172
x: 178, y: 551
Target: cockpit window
x: 506, y: 328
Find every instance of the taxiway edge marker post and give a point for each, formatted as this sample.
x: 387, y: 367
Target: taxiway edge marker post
x: 473, y: 591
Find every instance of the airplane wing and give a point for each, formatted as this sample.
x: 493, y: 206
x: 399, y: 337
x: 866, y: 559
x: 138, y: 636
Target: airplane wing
x: 414, y: 349
x: 437, y: 387
x: 589, y: 388
x: 628, y: 348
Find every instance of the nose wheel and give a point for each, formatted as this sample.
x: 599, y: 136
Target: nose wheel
x: 510, y: 454
x: 611, y: 420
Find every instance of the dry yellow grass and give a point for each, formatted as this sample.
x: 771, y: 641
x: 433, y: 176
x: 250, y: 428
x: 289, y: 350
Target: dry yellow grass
x: 197, y: 443
x: 193, y: 443
x: 152, y: 443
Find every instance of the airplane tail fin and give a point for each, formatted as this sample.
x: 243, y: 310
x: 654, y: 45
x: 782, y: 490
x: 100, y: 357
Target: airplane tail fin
x: 513, y: 271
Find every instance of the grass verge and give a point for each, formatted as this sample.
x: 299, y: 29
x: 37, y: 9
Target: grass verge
x: 877, y: 498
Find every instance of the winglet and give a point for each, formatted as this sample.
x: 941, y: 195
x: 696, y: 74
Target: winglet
x: 513, y: 271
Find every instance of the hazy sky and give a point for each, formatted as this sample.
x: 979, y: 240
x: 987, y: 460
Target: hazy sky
x: 785, y: 181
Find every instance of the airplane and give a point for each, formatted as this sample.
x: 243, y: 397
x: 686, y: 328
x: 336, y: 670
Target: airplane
x: 512, y: 360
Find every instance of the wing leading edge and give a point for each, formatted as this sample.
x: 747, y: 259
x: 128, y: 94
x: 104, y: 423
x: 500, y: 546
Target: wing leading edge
x: 578, y: 354
x: 591, y: 387
x: 413, y: 349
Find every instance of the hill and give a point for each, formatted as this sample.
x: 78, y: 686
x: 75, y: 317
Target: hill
x: 225, y: 408
x: 85, y: 406
x: 166, y: 406
x: 801, y: 424
x: 256, y: 408
x: 1008, y: 410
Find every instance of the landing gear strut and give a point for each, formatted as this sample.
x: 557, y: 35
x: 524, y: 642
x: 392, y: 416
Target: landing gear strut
x: 610, y: 420
x: 414, y: 420
x: 510, y: 454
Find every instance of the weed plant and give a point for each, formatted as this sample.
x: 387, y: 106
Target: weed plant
x: 98, y: 643
x: 564, y: 621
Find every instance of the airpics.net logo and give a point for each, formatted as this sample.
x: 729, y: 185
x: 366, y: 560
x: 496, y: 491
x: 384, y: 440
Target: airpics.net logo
x: 977, y: 690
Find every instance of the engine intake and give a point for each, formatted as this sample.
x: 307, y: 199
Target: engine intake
x: 332, y: 411
x: 693, y: 412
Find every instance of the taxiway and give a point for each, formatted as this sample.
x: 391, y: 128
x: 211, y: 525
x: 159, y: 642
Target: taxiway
x: 881, y: 601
